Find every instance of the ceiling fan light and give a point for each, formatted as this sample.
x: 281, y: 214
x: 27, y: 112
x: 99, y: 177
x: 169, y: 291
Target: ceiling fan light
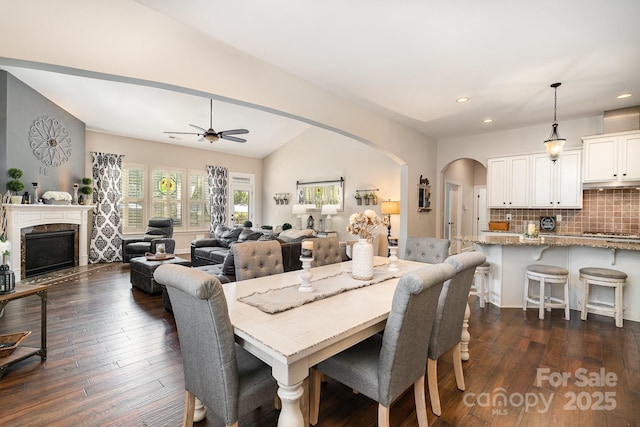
x: 211, y: 137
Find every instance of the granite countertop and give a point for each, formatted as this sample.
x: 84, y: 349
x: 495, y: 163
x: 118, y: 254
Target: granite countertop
x: 606, y: 243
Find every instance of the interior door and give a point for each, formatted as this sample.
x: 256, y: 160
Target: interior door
x: 452, y: 215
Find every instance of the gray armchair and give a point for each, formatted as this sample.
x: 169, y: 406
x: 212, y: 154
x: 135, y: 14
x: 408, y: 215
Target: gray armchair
x: 226, y: 378
x: 159, y: 230
x: 447, y: 326
x: 427, y: 249
x: 385, y: 365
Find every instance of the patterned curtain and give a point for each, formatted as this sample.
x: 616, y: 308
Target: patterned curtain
x: 106, y: 235
x: 6, y: 199
x: 218, y: 180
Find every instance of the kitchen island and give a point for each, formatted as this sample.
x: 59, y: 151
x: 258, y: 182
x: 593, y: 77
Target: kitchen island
x: 510, y: 255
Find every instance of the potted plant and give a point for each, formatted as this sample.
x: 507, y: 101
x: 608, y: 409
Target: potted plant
x: 87, y: 188
x: 15, y: 185
x: 358, y: 198
x: 367, y: 198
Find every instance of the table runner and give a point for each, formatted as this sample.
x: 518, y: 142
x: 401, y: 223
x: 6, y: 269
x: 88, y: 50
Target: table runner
x: 283, y: 299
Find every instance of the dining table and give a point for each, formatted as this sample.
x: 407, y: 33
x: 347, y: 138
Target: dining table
x: 292, y: 331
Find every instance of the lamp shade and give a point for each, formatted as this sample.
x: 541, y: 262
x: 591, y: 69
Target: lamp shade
x: 298, y: 210
x: 390, y: 208
x: 329, y: 210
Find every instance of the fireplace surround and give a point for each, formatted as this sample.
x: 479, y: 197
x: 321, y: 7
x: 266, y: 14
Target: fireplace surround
x: 26, y: 216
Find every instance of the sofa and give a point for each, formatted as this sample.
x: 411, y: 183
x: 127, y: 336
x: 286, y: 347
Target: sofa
x: 214, y: 249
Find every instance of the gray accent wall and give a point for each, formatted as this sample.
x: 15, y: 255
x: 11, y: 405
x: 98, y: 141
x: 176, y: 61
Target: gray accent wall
x: 20, y: 107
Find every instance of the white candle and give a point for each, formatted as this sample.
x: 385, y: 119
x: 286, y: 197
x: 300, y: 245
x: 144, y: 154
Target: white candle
x: 531, y: 229
x: 307, y: 249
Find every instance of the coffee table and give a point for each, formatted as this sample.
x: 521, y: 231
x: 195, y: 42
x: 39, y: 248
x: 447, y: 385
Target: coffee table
x: 142, y: 272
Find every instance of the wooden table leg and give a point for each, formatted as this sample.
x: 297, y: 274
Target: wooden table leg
x: 465, y: 337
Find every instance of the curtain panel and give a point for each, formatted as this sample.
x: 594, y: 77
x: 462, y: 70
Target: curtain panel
x: 106, y: 234
x: 218, y: 181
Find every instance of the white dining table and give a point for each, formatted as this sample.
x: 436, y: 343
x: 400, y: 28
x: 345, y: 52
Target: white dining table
x: 293, y: 341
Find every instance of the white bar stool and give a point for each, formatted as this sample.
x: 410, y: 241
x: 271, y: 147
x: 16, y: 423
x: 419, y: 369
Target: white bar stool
x: 480, y: 284
x: 547, y: 275
x: 608, y: 278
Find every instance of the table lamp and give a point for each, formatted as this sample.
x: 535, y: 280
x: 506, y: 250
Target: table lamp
x: 390, y: 208
x: 299, y: 210
x: 328, y: 210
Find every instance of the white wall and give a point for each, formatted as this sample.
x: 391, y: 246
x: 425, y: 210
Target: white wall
x: 153, y: 153
x: 318, y: 155
x: 113, y: 45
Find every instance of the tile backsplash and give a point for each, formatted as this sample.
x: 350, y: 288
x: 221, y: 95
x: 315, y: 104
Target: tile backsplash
x: 608, y: 210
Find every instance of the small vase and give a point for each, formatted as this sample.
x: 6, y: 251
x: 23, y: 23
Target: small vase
x: 362, y: 260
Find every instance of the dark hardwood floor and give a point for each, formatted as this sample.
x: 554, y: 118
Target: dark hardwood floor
x: 114, y: 360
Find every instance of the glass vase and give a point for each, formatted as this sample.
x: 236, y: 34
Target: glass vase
x: 362, y: 260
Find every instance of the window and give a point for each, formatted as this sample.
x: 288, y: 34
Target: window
x: 199, y: 212
x: 131, y: 205
x: 241, y: 192
x: 167, y: 190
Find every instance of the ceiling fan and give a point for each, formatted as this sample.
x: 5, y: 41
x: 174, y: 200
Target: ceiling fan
x: 211, y: 135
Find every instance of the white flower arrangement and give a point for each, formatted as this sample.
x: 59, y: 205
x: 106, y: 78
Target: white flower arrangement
x: 57, y: 195
x: 364, y: 224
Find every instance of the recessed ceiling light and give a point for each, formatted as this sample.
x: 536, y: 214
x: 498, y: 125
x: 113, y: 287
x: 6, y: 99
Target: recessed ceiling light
x: 461, y: 100
x: 624, y: 95
x: 487, y: 121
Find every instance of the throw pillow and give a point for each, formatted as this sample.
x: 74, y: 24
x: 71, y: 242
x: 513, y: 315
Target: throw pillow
x: 228, y: 266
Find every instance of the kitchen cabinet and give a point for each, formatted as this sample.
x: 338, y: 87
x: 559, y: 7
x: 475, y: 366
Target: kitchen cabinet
x: 556, y: 184
x: 508, y: 182
x: 612, y: 157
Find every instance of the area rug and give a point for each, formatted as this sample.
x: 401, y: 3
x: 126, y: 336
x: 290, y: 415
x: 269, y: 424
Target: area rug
x: 69, y: 274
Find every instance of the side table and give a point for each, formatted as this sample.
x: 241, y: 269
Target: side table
x: 142, y: 272
x: 24, y: 352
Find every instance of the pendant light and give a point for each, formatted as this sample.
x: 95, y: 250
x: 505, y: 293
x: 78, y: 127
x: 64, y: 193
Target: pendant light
x: 554, y: 143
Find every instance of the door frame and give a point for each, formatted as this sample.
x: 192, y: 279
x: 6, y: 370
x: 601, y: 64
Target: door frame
x: 453, y: 248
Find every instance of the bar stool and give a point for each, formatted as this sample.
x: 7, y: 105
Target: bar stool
x: 480, y: 284
x: 607, y: 278
x: 547, y: 275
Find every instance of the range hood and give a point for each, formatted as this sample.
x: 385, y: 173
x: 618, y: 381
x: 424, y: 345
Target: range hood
x: 621, y: 120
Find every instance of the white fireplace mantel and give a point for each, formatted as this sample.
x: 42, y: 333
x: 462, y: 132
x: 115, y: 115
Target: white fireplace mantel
x: 21, y: 216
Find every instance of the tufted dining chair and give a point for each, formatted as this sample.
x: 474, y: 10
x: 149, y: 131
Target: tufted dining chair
x: 385, y: 365
x: 447, y: 325
x: 226, y: 378
x: 427, y: 249
x: 257, y: 259
x: 326, y: 250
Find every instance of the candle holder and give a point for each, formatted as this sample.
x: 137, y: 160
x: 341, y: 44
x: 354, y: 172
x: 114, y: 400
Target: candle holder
x: 306, y: 275
x: 393, y: 259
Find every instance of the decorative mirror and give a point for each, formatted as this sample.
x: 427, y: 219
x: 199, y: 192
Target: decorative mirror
x: 424, y: 195
x: 318, y: 193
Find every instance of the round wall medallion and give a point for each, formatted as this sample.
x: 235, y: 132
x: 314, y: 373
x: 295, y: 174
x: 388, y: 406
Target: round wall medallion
x: 50, y: 141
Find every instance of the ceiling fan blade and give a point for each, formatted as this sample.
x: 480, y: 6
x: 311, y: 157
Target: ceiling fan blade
x: 183, y: 133
x: 233, y: 132
x: 198, y: 127
x: 232, y: 138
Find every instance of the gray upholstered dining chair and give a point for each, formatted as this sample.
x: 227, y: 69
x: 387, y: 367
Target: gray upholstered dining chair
x: 226, y: 378
x: 385, y: 365
x: 326, y: 250
x: 427, y: 249
x: 257, y: 259
x: 447, y: 326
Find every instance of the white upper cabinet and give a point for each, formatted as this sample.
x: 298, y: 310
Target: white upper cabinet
x: 556, y: 185
x: 613, y: 157
x: 508, y: 182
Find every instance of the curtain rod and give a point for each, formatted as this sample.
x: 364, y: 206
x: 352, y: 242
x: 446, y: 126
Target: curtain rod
x: 320, y: 182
